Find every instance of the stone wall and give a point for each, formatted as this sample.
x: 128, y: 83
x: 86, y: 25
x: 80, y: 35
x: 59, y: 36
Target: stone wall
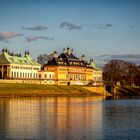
x: 26, y: 81
x: 99, y: 90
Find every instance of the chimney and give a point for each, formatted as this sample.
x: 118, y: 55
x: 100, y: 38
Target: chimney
x: 26, y: 53
x: 83, y: 57
x: 4, y: 50
x: 72, y: 51
x: 68, y: 50
x: 91, y: 60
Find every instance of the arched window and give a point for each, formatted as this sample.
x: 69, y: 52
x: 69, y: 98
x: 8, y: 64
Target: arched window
x: 12, y: 74
x: 20, y: 75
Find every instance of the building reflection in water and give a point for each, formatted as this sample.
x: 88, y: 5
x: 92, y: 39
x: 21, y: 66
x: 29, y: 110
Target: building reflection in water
x: 51, y: 118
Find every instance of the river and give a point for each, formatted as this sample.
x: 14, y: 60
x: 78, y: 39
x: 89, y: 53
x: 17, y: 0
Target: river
x: 69, y: 118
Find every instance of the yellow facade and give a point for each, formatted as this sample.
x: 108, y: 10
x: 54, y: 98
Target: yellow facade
x: 60, y: 74
x: 70, y: 70
x: 89, y: 74
x: 46, y: 77
x: 64, y: 75
x: 77, y: 73
x: 17, y: 67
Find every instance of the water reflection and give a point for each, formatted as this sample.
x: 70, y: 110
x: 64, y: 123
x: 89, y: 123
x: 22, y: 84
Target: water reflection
x: 85, y: 118
x: 51, y: 118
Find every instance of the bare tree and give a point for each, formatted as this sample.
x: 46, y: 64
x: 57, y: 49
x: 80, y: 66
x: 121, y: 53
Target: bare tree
x: 44, y: 58
x: 120, y: 71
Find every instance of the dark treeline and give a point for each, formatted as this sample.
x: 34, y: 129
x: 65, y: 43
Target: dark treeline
x: 44, y: 58
x: 120, y: 71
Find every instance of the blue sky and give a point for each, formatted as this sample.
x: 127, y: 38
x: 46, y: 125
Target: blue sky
x: 92, y: 27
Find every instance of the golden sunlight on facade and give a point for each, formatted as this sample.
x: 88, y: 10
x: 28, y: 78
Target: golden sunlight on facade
x: 28, y: 118
x: 63, y: 69
x: 14, y: 66
x: 70, y: 70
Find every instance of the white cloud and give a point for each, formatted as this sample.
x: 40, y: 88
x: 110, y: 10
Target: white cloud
x: 7, y: 35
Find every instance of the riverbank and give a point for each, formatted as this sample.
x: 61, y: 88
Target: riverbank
x: 128, y: 91
x: 29, y: 90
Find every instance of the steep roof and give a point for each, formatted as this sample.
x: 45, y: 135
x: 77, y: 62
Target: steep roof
x: 6, y: 58
x: 68, y: 58
x: 93, y: 65
x: 56, y: 61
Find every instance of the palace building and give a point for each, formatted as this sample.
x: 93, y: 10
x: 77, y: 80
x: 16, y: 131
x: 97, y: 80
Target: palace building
x: 63, y: 69
x: 14, y: 66
x: 46, y: 76
x: 70, y: 70
x: 97, y: 73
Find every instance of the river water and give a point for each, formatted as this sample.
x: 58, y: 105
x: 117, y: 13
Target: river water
x: 69, y: 118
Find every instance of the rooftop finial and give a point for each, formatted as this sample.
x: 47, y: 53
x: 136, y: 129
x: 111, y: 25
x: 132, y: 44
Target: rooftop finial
x: 72, y: 51
x: 26, y: 53
x: 55, y: 54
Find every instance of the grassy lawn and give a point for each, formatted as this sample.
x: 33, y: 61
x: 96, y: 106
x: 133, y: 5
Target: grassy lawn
x: 18, y: 89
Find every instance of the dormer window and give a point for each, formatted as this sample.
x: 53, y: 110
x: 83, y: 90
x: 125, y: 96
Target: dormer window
x: 12, y: 59
x: 20, y: 61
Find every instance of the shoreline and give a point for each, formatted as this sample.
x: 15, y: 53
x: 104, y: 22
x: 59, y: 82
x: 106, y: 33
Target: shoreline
x: 37, y: 90
x: 48, y: 95
x: 43, y: 90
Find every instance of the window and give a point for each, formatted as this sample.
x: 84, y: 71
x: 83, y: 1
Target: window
x: 11, y: 59
x: 50, y: 76
x: 81, y: 77
x: 45, y: 75
x: 25, y: 75
x: 20, y: 61
x: 12, y: 74
x: 70, y: 76
x: 20, y: 75
x: 39, y: 75
x: 73, y: 77
x: 66, y: 76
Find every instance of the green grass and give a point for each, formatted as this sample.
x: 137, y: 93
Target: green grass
x: 18, y: 89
